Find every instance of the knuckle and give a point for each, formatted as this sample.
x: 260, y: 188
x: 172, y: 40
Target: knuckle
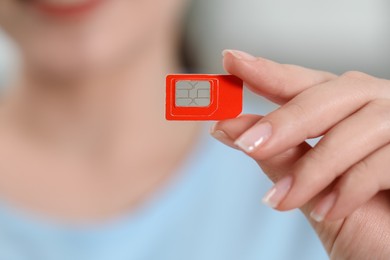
x: 380, y: 104
x: 365, y: 85
x: 312, y: 159
x: 380, y: 108
x: 360, y: 175
x: 318, y: 165
x: 296, y: 111
x: 357, y: 75
x: 361, y: 85
x: 360, y: 168
x: 317, y: 153
x: 293, y: 117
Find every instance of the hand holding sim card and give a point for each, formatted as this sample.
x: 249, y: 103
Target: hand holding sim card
x: 203, y: 97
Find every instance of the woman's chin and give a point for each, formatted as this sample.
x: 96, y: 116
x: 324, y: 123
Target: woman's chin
x: 64, y: 69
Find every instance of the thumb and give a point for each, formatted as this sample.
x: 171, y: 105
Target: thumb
x: 276, y: 82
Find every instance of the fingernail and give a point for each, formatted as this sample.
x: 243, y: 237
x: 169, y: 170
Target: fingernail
x: 278, y: 192
x: 322, y: 209
x: 220, y: 136
x: 240, y: 55
x: 254, y: 137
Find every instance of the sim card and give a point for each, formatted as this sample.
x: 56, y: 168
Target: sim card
x: 203, y: 97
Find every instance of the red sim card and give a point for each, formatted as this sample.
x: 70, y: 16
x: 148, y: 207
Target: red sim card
x: 203, y: 97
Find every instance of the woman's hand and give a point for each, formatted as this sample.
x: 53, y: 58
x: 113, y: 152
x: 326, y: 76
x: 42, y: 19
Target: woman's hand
x: 343, y: 179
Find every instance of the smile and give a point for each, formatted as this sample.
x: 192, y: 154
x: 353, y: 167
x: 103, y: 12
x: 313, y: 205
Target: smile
x: 65, y: 8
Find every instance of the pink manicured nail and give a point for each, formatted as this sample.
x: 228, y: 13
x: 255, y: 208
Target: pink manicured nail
x: 254, y: 137
x: 322, y: 209
x: 220, y: 135
x: 278, y: 192
x: 240, y: 55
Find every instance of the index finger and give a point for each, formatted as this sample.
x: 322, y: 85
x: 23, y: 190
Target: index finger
x: 277, y: 82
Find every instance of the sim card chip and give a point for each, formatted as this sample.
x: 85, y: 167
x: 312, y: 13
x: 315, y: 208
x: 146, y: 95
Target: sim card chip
x: 192, y: 93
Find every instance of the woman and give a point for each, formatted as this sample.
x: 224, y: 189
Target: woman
x: 83, y: 141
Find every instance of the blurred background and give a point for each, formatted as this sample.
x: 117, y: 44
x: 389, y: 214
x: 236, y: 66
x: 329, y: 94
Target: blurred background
x: 333, y: 35
x: 337, y: 35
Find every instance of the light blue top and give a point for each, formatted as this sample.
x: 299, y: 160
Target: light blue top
x: 210, y: 210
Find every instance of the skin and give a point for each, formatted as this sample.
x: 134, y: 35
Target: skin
x: 346, y: 171
x: 78, y: 141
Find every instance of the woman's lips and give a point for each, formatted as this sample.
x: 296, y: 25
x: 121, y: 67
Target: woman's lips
x: 65, y: 8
